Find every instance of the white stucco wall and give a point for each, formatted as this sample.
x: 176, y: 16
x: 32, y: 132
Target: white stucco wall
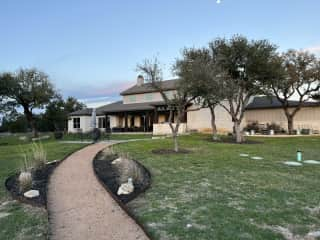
x: 85, y: 124
x: 164, y: 128
x: 307, y: 117
x: 145, y: 97
x: 201, y: 120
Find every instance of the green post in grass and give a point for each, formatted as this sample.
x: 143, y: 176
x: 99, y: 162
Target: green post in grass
x: 299, y: 156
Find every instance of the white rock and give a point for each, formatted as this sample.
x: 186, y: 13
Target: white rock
x: 311, y: 162
x: 189, y: 225
x: 116, y: 161
x: 126, y: 188
x: 290, y: 163
x: 32, y: 194
x: 257, y: 158
x: 243, y: 155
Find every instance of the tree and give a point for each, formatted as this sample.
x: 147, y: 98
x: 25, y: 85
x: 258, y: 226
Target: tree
x: 242, y: 65
x: 198, y: 69
x: 299, y: 77
x: 177, y: 104
x: 57, y: 111
x: 29, y: 89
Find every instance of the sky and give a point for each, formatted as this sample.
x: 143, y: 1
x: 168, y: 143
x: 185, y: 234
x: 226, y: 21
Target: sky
x: 90, y: 49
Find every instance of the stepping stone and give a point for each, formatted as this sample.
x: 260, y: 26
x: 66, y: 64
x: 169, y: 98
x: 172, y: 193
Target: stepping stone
x: 315, y: 234
x: 243, y: 155
x: 312, y: 162
x: 257, y: 158
x: 3, y: 215
x: 290, y: 163
x: 32, y: 194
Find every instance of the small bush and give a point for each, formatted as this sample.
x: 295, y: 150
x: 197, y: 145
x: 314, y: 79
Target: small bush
x: 58, y: 135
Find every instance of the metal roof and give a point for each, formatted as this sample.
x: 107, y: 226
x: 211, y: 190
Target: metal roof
x: 147, y: 87
x: 264, y: 102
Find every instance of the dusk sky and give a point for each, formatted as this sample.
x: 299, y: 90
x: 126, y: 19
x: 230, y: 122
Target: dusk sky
x: 90, y: 48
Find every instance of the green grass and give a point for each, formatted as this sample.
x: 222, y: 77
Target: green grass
x: 24, y: 222
x: 225, y: 196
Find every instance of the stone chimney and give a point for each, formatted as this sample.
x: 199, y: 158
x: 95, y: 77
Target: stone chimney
x: 140, y: 80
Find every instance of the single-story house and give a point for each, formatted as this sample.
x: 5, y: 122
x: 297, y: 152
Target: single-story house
x: 142, y: 109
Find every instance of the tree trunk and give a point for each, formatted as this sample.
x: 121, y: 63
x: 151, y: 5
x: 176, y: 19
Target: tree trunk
x: 213, y: 124
x: 31, y: 121
x: 239, y: 137
x: 175, y: 141
x: 290, y: 124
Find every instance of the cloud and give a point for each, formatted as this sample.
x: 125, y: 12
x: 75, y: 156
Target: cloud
x: 97, y: 91
x: 314, y: 49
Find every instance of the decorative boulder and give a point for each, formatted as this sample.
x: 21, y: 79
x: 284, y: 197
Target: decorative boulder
x: 32, y: 194
x: 126, y: 188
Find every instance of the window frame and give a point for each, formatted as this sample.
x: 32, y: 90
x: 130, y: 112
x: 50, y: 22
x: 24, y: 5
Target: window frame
x: 76, y: 122
x: 102, y: 123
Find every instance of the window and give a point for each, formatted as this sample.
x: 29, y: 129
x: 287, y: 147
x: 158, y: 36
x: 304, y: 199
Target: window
x: 102, y: 122
x: 76, y: 122
x: 132, y: 98
x: 148, y: 96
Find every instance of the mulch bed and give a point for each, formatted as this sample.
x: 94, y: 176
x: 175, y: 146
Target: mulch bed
x: 39, y: 182
x: 166, y: 151
x: 108, y: 174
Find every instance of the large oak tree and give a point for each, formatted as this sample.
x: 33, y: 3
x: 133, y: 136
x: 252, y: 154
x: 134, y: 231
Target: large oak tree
x: 197, y: 69
x: 298, y: 78
x: 29, y: 89
x: 243, y: 65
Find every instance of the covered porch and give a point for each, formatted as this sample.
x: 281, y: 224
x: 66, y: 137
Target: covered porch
x: 147, y: 117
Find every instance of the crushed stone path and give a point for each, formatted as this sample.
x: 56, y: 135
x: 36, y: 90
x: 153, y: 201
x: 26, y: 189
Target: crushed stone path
x: 80, y: 208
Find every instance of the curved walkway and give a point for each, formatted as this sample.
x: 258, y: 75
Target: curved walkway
x: 80, y: 208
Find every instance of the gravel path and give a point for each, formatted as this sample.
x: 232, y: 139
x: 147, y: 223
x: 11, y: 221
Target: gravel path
x: 80, y: 208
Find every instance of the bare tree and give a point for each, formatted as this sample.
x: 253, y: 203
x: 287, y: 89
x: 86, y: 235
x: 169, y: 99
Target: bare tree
x: 300, y: 77
x: 177, y: 104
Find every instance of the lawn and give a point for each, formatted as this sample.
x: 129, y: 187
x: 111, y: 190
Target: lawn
x: 213, y: 193
x: 19, y: 221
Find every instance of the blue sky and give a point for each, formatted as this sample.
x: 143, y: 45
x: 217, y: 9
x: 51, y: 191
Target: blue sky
x: 90, y: 48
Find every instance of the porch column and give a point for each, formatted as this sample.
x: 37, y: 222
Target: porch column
x: 126, y: 122
x: 147, y: 119
x: 155, y: 116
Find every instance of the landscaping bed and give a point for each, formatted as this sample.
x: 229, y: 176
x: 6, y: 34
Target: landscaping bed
x: 111, y: 175
x: 40, y: 178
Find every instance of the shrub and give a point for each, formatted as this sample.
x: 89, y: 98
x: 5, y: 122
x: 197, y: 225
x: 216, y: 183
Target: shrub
x: 252, y: 126
x: 58, y: 135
